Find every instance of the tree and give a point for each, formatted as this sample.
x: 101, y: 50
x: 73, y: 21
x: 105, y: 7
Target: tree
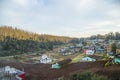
x: 117, y: 36
x: 15, y: 41
x: 114, y: 48
x: 84, y: 43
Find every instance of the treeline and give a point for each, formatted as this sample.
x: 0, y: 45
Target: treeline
x: 16, y: 41
x: 109, y: 36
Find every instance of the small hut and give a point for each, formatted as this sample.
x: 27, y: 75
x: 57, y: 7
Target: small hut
x: 61, y: 63
x: 56, y: 66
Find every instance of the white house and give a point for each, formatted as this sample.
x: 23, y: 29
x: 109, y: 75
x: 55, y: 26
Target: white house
x: 44, y: 59
x: 13, y: 73
x: 89, y: 52
x: 79, y: 45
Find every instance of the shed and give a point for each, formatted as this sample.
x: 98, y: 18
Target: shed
x: 55, y: 66
x: 61, y: 63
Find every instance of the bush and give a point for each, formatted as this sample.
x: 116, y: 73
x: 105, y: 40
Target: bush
x: 87, y: 76
x: 108, y: 63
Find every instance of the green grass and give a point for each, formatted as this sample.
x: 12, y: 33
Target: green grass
x: 78, y: 58
x: 6, y: 57
x: 87, y: 76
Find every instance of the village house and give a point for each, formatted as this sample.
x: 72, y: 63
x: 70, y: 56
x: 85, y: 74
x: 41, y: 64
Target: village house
x: 79, y: 45
x: 61, y: 63
x: 71, y: 47
x: 69, y: 50
x: 100, y: 41
x: 88, y: 50
x: 44, y: 59
x: 67, y: 53
x: 10, y: 73
x: 117, y: 59
x: 88, y: 59
x: 118, y: 45
x: 108, y: 48
x: 99, y: 49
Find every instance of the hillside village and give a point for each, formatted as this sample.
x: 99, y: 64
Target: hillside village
x: 33, y: 57
x: 59, y: 39
x: 92, y: 47
x: 92, y: 51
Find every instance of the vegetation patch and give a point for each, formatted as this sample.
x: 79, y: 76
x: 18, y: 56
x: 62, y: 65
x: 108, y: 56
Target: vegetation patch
x: 87, y: 76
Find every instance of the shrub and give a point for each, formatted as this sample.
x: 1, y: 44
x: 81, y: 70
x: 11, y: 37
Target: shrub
x: 87, y: 76
x: 108, y: 63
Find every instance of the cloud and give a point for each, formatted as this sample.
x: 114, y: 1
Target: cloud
x: 21, y: 2
x: 62, y: 17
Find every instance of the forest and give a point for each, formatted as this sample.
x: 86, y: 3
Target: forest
x: 14, y: 41
x: 108, y: 36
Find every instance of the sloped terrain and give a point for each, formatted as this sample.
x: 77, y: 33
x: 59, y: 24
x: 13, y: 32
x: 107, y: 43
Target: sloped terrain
x: 44, y: 71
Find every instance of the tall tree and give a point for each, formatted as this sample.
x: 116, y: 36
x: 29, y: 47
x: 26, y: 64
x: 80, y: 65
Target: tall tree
x: 114, y: 47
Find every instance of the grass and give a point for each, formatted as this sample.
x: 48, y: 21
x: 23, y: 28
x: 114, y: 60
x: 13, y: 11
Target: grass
x: 6, y: 57
x: 77, y: 58
x: 87, y: 76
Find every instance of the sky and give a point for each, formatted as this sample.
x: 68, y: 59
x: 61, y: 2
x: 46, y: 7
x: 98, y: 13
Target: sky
x: 74, y: 18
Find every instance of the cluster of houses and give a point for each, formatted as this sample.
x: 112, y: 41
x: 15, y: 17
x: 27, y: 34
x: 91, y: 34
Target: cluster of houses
x: 101, y: 46
x: 70, y: 50
x: 10, y: 73
x: 92, y: 47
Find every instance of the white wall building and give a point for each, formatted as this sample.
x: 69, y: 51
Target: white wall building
x: 44, y: 59
x: 89, y: 52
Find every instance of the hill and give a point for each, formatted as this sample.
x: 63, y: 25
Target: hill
x: 43, y: 71
x: 16, y: 41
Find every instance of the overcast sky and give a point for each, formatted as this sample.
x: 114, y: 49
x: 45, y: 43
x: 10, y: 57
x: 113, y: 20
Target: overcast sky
x: 75, y: 18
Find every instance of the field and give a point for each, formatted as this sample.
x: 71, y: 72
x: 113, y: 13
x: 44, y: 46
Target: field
x: 36, y: 71
x: 35, y: 57
x: 44, y: 71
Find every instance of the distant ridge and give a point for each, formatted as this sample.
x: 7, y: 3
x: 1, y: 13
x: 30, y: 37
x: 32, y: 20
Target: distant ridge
x: 20, y: 34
